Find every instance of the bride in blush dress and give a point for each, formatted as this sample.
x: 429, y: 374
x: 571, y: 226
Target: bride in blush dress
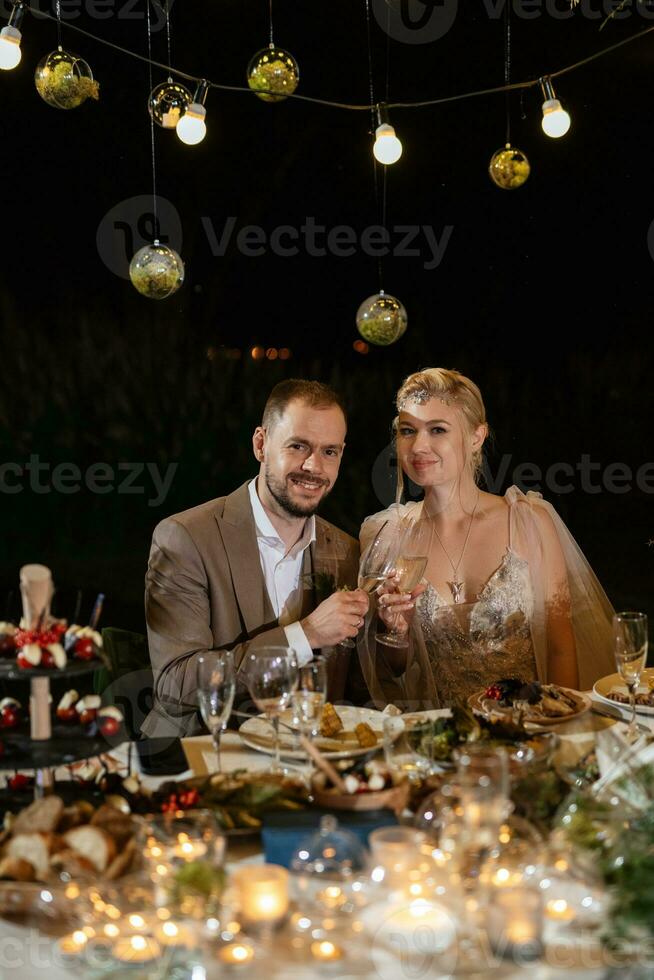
x: 506, y: 590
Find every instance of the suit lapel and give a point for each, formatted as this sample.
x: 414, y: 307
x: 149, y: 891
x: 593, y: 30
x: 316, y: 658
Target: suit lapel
x: 240, y: 540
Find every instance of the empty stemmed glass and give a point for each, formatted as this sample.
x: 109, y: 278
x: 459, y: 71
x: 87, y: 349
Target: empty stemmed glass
x: 216, y: 684
x: 309, y: 699
x: 630, y: 648
x: 273, y: 677
x: 413, y: 544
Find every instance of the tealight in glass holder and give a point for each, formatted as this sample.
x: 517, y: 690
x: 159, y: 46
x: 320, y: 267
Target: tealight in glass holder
x: 125, y: 928
x: 183, y: 853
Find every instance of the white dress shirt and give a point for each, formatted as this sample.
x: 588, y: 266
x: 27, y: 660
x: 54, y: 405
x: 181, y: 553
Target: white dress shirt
x: 283, y: 574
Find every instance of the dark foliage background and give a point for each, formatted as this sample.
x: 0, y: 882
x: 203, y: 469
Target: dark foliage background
x: 544, y: 295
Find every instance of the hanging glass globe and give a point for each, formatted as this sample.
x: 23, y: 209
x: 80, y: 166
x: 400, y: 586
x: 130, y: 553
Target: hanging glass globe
x: 509, y: 168
x: 156, y: 271
x: 167, y: 103
x: 381, y: 319
x: 65, y: 81
x: 274, y: 70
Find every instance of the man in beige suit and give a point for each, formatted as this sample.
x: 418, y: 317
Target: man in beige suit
x: 239, y: 572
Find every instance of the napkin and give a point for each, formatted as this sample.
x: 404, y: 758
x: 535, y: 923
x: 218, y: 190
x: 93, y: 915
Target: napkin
x: 36, y: 589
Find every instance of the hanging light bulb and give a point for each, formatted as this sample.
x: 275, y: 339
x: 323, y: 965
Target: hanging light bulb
x: 10, y: 37
x: 387, y: 147
x: 191, y: 127
x: 556, y: 121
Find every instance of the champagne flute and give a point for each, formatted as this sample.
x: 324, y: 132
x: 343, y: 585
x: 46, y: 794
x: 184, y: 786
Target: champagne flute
x: 309, y: 699
x: 273, y: 679
x: 216, y: 684
x: 630, y: 647
x: 377, y: 563
x: 413, y: 546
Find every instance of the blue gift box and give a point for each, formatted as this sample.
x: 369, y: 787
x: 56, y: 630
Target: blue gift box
x: 284, y: 829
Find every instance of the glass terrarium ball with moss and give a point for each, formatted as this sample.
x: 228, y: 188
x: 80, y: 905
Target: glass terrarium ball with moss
x: 156, y: 271
x: 381, y: 319
x: 273, y: 74
x: 167, y: 103
x: 65, y: 81
x: 509, y: 168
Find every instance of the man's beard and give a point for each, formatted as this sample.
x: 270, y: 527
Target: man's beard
x: 279, y: 491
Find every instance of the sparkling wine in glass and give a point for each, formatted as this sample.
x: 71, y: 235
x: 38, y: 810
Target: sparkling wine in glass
x: 377, y: 563
x: 630, y: 647
x: 216, y: 684
x: 413, y: 554
x: 273, y: 679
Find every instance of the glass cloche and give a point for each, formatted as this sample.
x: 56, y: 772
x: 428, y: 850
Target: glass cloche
x: 329, y: 869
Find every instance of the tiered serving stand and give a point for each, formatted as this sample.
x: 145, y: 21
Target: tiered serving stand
x: 43, y: 744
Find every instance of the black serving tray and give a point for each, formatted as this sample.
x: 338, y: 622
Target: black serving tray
x: 10, y: 671
x: 22, y: 752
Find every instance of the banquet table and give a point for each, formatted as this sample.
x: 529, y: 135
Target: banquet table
x: 26, y: 954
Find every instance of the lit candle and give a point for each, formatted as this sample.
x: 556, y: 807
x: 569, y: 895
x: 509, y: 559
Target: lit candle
x: 263, y: 893
x: 515, y: 923
x: 136, y: 949
x: 189, y: 850
x: 236, y: 954
x: 173, y: 934
x: 419, y: 925
x: 332, y: 897
x: 326, y: 952
x: 559, y: 910
x: 74, y: 944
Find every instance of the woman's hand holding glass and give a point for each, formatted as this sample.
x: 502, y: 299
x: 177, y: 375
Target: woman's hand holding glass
x: 400, y: 590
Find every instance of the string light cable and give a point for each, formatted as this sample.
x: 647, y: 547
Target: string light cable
x: 424, y: 103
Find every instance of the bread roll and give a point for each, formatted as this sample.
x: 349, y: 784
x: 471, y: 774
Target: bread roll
x: 94, y: 844
x: 119, y: 825
x: 36, y: 849
x: 16, y: 869
x: 42, y: 816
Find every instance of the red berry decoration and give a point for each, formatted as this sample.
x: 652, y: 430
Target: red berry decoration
x: 87, y: 716
x: 109, y: 726
x: 493, y: 693
x: 7, y: 646
x: 83, y: 648
x: 67, y: 714
x: 9, y: 717
x: 47, y: 660
x: 19, y: 781
x: 22, y: 661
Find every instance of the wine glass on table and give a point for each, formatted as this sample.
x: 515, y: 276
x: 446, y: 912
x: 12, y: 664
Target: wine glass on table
x: 630, y: 648
x: 413, y: 546
x: 377, y: 562
x: 309, y: 699
x: 216, y: 682
x: 273, y: 678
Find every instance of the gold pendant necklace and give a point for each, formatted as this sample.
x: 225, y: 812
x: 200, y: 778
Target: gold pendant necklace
x: 456, y: 587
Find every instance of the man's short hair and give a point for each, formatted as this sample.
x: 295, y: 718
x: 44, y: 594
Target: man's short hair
x: 312, y: 393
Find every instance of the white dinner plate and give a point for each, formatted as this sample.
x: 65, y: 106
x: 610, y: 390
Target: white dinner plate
x: 257, y: 734
x: 602, y: 687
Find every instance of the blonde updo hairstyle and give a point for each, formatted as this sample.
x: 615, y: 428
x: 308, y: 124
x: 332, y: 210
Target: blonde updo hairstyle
x: 452, y: 388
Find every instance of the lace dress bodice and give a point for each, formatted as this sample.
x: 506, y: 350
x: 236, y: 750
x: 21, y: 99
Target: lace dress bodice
x: 472, y: 644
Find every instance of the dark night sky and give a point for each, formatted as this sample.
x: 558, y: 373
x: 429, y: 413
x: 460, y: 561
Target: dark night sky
x: 543, y: 296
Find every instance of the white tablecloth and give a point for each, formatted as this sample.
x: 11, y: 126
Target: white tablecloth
x: 26, y: 954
